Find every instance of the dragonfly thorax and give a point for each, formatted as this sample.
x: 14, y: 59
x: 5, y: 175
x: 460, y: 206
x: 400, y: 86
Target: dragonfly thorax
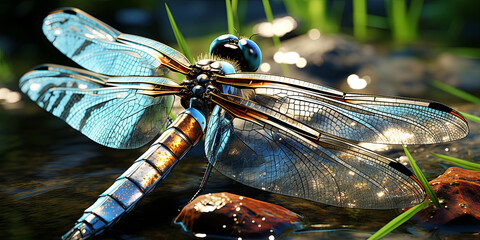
x: 200, y: 82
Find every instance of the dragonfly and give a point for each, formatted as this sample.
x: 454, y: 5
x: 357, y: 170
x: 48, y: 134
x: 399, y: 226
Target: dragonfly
x: 274, y: 133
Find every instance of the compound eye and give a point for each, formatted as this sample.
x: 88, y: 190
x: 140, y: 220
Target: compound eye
x: 252, y: 53
x: 223, y: 41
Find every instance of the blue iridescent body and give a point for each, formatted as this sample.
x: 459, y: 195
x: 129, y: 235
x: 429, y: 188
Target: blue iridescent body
x: 274, y: 133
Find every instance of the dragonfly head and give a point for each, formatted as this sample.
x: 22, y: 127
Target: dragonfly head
x: 244, y: 53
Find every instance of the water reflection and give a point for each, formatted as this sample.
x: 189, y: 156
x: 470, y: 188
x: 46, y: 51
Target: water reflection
x: 265, y: 67
x: 279, y: 27
x: 290, y: 58
x: 9, y: 96
x: 314, y: 34
x: 355, y: 82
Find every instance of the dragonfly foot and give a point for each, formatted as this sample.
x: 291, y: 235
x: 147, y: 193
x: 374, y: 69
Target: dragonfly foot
x: 195, y: 195
x: 208, y: 170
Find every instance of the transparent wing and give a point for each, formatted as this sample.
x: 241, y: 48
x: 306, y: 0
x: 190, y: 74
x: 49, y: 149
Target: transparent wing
x: 327, y: 170
x: 100, y: 48
x: 357, y: 117
x: 116, y: 112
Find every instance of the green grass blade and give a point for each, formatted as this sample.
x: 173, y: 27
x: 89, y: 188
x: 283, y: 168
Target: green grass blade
x: 178, y: 35
x: 414, y: 17
x: 360, y: 19
x: 421, y: 178
x: 234, y: 6
x: 231, y: 24
x: 317, y: 13
x: 298, y: 10
x: 294, y: 8
x: 269, y: 15
x: 399, y: 220
x: 276, y: 40
x: 236, y: 19
x: 471, y: 117
x: 240, y: 11
x: 399, y: 20
x: 173, y: 116
x: 168, y: 122
x: 455, y: 91
x: 457, y: 161
x: 268, y: 10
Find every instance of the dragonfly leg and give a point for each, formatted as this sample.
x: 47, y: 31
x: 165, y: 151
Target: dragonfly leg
x: 208, y: 170
x: 142, y: 177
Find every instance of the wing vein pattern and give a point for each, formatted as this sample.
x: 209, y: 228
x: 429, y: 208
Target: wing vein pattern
x: 328, y: 170
x: 117, y: 117
x: 356, y: 117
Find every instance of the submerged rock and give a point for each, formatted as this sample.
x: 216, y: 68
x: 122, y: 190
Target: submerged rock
x: 459, y: 192
x: 233, y: 216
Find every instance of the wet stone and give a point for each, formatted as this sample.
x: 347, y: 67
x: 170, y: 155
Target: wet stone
x: 232, y: 216
x: 458, y: 191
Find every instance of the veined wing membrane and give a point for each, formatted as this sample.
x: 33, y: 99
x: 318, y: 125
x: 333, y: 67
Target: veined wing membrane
x: 256, y: 151
x: 118, y: 112
x: 100, y: 48
x: 357, y: 117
